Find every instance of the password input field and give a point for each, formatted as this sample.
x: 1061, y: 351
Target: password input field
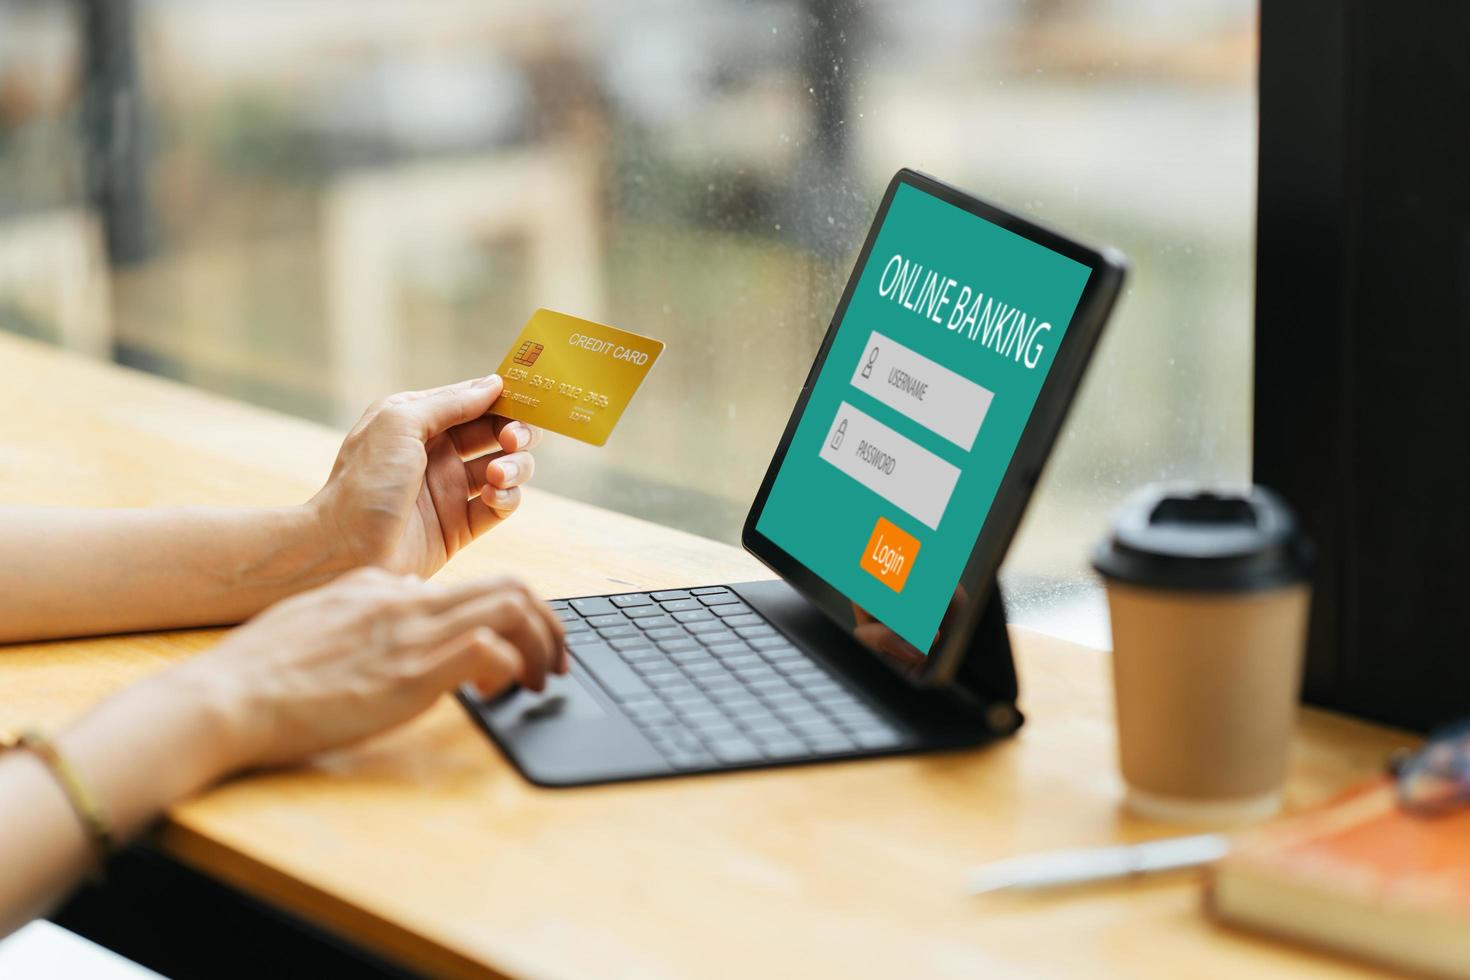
x: 896, y: 468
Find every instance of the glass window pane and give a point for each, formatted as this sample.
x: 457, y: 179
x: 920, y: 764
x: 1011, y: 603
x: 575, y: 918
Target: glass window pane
x: 346, y: 198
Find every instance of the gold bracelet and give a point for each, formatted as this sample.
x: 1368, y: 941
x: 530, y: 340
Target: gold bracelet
x: 88, y: 809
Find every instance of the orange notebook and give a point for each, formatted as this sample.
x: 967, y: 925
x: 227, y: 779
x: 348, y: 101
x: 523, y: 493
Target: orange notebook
x: 1360, y: 876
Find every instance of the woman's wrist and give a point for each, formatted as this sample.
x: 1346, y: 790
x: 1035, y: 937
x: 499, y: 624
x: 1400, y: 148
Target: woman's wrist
x: 258, y: 556
x: 218, y: 712
x: 339, y: 548
x: 158, y: 742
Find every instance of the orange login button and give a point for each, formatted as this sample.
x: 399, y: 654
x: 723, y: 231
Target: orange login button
x: 890, y: 554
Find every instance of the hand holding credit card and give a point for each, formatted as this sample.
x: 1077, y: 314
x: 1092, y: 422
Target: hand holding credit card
x: 573, y: 376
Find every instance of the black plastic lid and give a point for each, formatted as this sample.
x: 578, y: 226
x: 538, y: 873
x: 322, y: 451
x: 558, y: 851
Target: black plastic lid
x: 1178, y: 536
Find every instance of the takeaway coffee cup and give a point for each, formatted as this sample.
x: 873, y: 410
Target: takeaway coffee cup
x: 1208, y: 591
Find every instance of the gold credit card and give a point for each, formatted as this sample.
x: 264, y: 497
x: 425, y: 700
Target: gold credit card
x: 573, y: 376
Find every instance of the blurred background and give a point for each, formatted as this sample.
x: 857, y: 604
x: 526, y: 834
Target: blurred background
x: 308, y: 204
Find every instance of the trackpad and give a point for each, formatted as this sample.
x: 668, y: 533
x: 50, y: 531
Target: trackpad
x: 566, y: 735
x: 564, y: 697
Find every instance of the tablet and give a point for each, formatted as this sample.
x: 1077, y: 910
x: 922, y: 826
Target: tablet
x: 933, y: 403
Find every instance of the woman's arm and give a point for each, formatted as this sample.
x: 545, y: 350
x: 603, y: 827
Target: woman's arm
x: 322, y: 669
x: 79, y: 572
x: 420, y: 476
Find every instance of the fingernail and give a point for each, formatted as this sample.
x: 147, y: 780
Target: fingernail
x: 509, y: 471
x: 487, y: 381
x: 501, y: 495
x: 519, y: 433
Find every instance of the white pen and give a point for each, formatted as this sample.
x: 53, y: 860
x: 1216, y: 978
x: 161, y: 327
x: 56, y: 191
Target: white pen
x: 1087, y: 864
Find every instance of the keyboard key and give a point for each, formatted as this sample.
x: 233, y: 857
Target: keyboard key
x: 575, y: 625
x: 680, y: 605
x: 854, y: 715
x: 749, y: 620
x: 586, y: 639
x: 762, y: 724
x: 616, y: 632
x: 559, y: 604
x: 810, y: 728
x: 719, y: 686
x: 718, y: 599
x: 731, y: 609
x: 786, y: 700
x: 706, y: 668
x: 684, y: 738
x: 818, y: 691
x: 649, y: 611
x: 742, y: 703
x: 830, y: 743
x: 702, y: 625
x: 611, y: 619
x: 875, y: 739
x: 711, y: 590
x: 690, y: 702
x: 627, y: 643
x: 718, y: 732
x: 771, y: 643
x: 679, y: 644
x: 772, y: 685
x: 616, y: 677
x: 632, y: 599
x: 734, y: 751
x: 568, y: 615
x: 639, y: 655
x: 794, y: 668
x: 729, y: 649
x: 776, y: 746
x: 837, y: 702
x: 667, y: 633
x: 670, y: 594
x: 671, y: 687
x: 594, y: 606
x: 714, y: 637
x: 776, y: 654
x: 693, y: 616
x: 689, y: 759
x: 651, y: 714
x: 655, y: 670
x: 802, y: 714
x: 750, y: 632
x: 686, y: 657
x: 658, y: 622
x: 707, y: 720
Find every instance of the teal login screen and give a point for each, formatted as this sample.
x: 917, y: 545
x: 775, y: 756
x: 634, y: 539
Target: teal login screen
x: 931, y: 377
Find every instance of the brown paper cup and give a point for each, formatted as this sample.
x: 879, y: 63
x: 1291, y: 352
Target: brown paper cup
x: 1208, y: 592
x: 1205, y: 689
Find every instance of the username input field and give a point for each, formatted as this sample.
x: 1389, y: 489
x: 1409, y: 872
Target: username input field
x: 945, y: 403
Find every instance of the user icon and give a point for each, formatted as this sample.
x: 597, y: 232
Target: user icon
x: 872, y: 359
x: 839, y: 434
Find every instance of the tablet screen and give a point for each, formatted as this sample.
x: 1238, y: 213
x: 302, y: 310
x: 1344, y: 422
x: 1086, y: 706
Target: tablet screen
x: 930, y: 377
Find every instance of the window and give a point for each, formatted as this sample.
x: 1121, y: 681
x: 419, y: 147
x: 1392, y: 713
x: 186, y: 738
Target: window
x: 337, y: 198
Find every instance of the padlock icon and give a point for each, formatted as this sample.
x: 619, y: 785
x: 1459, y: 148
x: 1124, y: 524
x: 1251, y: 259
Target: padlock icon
x: 839, y: 434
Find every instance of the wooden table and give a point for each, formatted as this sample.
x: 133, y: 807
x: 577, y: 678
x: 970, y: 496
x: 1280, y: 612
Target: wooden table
x: 425, y: 846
